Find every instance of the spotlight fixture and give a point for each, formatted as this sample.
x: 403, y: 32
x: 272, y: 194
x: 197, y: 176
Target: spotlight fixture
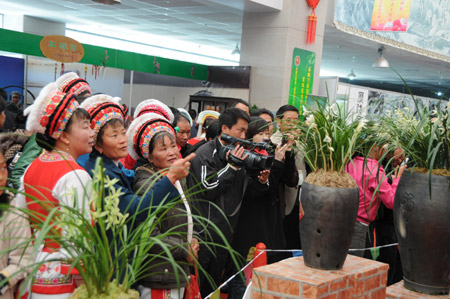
x: 381, y: 62
x: 352, y: 75
x: 236, y: 50
x: 108, y: 2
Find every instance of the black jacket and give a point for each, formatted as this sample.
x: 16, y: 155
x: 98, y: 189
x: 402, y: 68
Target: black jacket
x: 186, y: 150
x: 262, y: 212
x: 218, y: 188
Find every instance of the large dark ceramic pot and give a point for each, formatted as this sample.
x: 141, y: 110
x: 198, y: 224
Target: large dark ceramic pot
x: 422, y: 225
x: 327, y: 227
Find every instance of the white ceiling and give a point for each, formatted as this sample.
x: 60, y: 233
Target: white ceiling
x: 343, y: 52
x: 201, y: 22
x: 218, y: 24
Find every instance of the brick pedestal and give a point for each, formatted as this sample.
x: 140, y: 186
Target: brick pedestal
x: 291, y: 278
x: 398, y: 291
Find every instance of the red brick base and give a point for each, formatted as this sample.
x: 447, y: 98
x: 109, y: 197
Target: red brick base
x: 291, y: 278
x: 398, y: 291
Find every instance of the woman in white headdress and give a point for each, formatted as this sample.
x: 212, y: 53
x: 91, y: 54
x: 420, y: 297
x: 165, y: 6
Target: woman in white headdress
x: 63, y: 131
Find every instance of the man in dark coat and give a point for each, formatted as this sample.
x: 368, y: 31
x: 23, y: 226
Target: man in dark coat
x: 14, y: 99
x: 219, y: 186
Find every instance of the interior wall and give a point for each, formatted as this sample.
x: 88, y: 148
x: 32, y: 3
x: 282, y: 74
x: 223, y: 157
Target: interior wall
x: 174, y: 95
x: 42, y: 71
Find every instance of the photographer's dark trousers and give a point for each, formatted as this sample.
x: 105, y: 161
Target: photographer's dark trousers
x: 359, y: 238
x: 237, y: 287
x: 385, y: 231
x: 213, y: 265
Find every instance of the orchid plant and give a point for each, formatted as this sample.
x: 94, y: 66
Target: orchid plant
x: 424, y: 135
x: 328, y: 138
x: 109, y: 266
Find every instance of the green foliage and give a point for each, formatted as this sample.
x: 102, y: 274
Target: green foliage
x: 253, y: 108
x: 329, y: 137
x: 111, y: 250
x: 424, y: 135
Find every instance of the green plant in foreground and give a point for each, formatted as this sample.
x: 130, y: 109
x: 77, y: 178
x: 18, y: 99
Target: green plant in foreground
x: 111, y: 250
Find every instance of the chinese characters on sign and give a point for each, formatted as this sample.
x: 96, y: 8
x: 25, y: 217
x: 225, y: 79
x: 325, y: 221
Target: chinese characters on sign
x: 302, y: 76
x: 61, y: 48
x: 390, y: 15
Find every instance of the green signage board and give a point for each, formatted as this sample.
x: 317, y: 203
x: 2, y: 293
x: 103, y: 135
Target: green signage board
x: 29, y: 44
x: 302, y: 76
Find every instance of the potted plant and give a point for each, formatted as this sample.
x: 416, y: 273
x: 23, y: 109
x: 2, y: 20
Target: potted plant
x: 109, y: 267
x: 422, y: 200
x: 329, y: 196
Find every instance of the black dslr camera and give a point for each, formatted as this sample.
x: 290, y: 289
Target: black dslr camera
x: 254, y: 160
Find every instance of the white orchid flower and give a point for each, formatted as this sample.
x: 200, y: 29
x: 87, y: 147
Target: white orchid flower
x: 361, y: 125
x: 327, y: 139
x: 310, y: 120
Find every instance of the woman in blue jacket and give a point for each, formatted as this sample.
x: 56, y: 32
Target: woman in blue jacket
x: 107, y: 122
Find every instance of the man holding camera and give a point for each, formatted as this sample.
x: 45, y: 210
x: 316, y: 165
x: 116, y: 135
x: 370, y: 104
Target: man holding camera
x: 219, y: 182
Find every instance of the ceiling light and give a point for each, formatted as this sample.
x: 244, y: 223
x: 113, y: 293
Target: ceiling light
x: 381, y: 61
x: 108, y: 2
x: 352, y: 75
x: 236, y: 50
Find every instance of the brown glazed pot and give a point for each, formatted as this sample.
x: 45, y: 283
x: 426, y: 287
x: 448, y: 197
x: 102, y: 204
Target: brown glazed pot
x: 422, y: 225
x: 327, y: 227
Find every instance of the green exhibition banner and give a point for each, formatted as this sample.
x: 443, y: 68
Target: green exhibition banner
x: 302, y: 76
x: 29, y: 44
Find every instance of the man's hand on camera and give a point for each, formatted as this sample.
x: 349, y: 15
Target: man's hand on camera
x: 236, y: 157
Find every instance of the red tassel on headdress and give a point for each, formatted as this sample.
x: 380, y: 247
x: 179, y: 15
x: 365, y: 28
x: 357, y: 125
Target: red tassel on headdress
x: 312, y: 22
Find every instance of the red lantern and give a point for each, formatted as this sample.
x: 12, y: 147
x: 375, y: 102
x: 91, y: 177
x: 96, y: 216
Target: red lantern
x: 312, y: 22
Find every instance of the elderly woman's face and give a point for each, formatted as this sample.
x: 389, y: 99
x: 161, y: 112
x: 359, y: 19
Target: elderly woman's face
x: 114, y: 142
x: 165, y: 153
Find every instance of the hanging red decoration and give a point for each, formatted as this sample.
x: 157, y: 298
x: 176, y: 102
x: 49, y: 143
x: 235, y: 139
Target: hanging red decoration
x: 312, y: 22
x: 95, y: 71
x: 62, y: 68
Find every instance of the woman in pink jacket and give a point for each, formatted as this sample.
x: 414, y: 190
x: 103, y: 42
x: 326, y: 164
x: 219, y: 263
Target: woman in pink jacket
x: 374, y: 188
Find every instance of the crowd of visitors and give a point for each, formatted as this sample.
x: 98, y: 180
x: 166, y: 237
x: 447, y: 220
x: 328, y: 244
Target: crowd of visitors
x: 201, y: 161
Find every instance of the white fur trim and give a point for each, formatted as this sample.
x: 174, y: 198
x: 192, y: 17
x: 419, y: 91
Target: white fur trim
x: 144, y: 103
x: 99, y: 98
x: 135, y: 126
x: 201, y: 118
x: 201, y: 115
x: 187, y: 115
x: 36, y: 110
x: 64, y: 79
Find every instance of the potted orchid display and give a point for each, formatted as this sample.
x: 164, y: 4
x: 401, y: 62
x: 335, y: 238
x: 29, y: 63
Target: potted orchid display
x: 422, y: 200
x: 329, y: 197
